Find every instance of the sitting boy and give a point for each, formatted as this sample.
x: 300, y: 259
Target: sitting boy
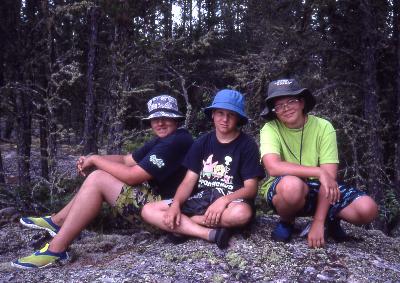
x: 126, y: 182
x: 220, y: 185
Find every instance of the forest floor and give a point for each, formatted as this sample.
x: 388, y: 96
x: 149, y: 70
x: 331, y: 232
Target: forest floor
x: 65, y: 168
x: 137, y: 254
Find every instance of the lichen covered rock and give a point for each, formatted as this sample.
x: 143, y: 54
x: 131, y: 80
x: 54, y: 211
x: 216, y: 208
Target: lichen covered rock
x: 136, y: 255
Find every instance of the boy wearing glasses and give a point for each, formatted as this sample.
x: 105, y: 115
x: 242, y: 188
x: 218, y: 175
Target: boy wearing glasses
x: 300, y: 153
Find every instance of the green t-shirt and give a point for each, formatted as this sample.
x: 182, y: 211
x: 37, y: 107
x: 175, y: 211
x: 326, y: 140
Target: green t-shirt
x: 319, y: 143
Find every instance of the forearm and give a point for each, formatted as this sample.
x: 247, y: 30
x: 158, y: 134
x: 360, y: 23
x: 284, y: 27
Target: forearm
x: 248, y: 191
x: 181, y: 195
x: 117, y: 169
x: 185, y: 189
x: 122, y: 159
x: 322, y: 208
x: 281, y: 168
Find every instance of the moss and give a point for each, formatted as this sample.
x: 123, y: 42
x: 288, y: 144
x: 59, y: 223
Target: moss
x: 235, y: 260
x: 217, y: 278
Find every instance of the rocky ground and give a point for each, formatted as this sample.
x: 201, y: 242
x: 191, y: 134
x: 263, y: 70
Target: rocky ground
x: 136, y: 255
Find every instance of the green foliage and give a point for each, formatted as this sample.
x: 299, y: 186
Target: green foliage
x: 142, y: 51
x: 391, y: 208
x: 133, y: 144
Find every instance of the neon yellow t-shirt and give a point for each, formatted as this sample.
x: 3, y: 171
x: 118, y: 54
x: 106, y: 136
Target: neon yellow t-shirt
x: 319, y: 144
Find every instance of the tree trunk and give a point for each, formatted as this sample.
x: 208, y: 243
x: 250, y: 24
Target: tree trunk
x: 116, y: 101
x: 89, y: 134
x: 371, y: 110
x: 48, y: 126
x: 44, y: 154
x: 23, y: 129
x: 2, y: 173
x: 168, y: 19
x: 396, y: 36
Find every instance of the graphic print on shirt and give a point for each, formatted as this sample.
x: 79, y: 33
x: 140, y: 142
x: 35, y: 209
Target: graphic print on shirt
x: 216, y: 176
x: 157, y: 161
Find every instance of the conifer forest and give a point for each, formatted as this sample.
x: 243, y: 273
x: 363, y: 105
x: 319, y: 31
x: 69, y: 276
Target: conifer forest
x: 75, y: 77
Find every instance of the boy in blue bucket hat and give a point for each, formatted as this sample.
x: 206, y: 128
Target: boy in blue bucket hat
x: 223, y: 169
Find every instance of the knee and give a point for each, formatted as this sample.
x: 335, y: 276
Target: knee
x: 146, y: 211
x: 239, y: 215
x: 93, y: 178
x: 367, y: 209
x: 292, y: 190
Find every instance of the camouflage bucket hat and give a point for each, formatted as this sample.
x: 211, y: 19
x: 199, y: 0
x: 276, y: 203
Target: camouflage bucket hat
x: 163, y: 106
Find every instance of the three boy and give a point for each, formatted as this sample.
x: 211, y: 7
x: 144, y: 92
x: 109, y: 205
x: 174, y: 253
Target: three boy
x: 222, y: 167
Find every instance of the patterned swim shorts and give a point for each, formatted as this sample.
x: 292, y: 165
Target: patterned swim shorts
x: 347, y: 196
x: 131, y: 201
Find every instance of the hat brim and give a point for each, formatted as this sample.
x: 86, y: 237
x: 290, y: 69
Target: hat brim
x: 227, y: 106
x: 267, y: 114
x: 163, y: 114
x: 310, y: 102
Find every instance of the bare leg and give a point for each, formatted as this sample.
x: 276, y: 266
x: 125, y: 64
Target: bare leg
x: 59, y: 217
x: 361, y: 211
x: 98, y: 187
x: 237, y: 214
x: 290, y: 197
x: 153, y: 213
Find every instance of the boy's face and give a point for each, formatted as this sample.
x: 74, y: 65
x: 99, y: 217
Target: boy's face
x: 163, y: 127
x: 225, y: 121
x: 289, y: 110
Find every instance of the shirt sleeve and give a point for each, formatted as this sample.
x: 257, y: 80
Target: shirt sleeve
x: 269, y: 140
x: 141, y: 152
x: 164, y: 159
x: 329, y: 149
x: 193, y: 159
x: 250, y: 161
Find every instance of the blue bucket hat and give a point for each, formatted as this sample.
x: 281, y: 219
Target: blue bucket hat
x: 229, y: 100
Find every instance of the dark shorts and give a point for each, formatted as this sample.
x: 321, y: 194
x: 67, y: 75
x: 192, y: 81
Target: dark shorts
x: 347, y: 196
x: 131, y: 201
x: 198, y: 203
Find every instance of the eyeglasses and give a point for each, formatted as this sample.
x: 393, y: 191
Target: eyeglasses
x: 282, y: 106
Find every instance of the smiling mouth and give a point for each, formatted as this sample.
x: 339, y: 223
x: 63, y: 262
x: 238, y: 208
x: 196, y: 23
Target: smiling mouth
x: 287, y: 115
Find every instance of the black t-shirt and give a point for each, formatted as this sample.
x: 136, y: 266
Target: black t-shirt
x: 224, y: 167
x: 162, y: 159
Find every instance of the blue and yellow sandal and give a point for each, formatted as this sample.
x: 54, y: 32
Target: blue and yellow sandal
x: 41, y: 223
x: 40, y: 259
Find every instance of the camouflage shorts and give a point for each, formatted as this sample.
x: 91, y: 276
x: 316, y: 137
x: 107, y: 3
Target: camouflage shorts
x: 347, y: 196
x: 131, y: 201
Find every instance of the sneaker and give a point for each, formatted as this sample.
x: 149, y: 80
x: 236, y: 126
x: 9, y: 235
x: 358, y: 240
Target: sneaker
x: 176, y: 239
x: 40, y: 259
x: 304, y: 232
x: 41, y: 223
x: 282, y: 232
x: 335, y: 230
x: 222, y: 237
